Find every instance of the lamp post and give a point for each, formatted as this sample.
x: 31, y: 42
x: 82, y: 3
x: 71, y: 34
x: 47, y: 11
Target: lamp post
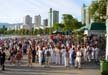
x: 106, y: 55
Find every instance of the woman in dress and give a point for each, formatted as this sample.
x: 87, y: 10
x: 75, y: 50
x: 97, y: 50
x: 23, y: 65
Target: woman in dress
x: 29, y: 53
x: 57, y: 55
x: 40, y: 53
x: 18, y: 57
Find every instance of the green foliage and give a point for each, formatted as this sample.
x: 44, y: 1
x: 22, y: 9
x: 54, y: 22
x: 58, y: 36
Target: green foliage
x: 93, y: 8
x: 35, y: 31
x: 67, y: 20
x: 46, y: 31
x: 58, y: 26
x: 40, y: 31
x: 70, y: 23
x: 97, y: 9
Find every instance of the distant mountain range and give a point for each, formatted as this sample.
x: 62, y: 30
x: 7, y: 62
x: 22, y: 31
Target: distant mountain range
x: 8, y: 24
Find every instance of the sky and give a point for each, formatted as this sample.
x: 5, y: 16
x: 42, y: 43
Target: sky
x: 13, y: 11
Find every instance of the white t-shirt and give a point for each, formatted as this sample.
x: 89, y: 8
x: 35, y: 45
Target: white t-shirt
x: 78, y: 54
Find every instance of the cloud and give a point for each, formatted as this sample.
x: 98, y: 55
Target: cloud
x: 88, y: 1
x: 64, y: 6
x: 17, y: 9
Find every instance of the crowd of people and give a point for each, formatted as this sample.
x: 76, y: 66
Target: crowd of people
x: 60, y: 50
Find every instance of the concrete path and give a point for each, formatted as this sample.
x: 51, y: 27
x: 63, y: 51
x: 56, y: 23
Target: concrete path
x: 87, y: 69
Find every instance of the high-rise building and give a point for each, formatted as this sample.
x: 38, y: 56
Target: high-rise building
x: 37, y: 21
x: 27, y: 20
x: 50, y: 18
x: 27, y: 23
x: 53, y: 17
x: 45, y: 22
x: 87, y: 16
x: 83, y: 14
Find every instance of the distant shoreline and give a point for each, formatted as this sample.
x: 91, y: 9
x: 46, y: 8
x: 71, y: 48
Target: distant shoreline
x: 22, y: 36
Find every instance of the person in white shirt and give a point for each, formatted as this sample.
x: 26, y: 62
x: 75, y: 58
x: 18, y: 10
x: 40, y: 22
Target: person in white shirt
x: 93, y: 53
x: 70, y: 55
x: 57, y: 55
x: 66, y: 59
x: 96, y: 49
x: 89, y: 50
x: 78, y: 58
x: 53, y: 56
x: 47, y: 57
x: 85, y: 53
x: 63, y: 50
x: 40, y: 55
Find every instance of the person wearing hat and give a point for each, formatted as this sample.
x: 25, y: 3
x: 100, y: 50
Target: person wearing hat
x: 2, y: 58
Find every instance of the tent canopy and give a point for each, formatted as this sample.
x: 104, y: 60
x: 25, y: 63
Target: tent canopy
x: 93, y: 26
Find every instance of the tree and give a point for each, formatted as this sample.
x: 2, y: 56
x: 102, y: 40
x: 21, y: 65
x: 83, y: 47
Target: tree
x: 58, y: 26
x: 35, y: 31
x: 11, y: 32
x: 102, y: 9
x: 46, y: 31
x: 67, y: 20
x: 97, y: 9
x: 40, y: 31
x: 70, y: 23
x: 93, y: 8
x: 1, y: 31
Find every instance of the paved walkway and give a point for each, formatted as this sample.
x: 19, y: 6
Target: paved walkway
x: 91, y: 69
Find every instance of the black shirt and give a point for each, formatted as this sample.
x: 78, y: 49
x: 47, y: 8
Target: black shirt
x: 2, y: 57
